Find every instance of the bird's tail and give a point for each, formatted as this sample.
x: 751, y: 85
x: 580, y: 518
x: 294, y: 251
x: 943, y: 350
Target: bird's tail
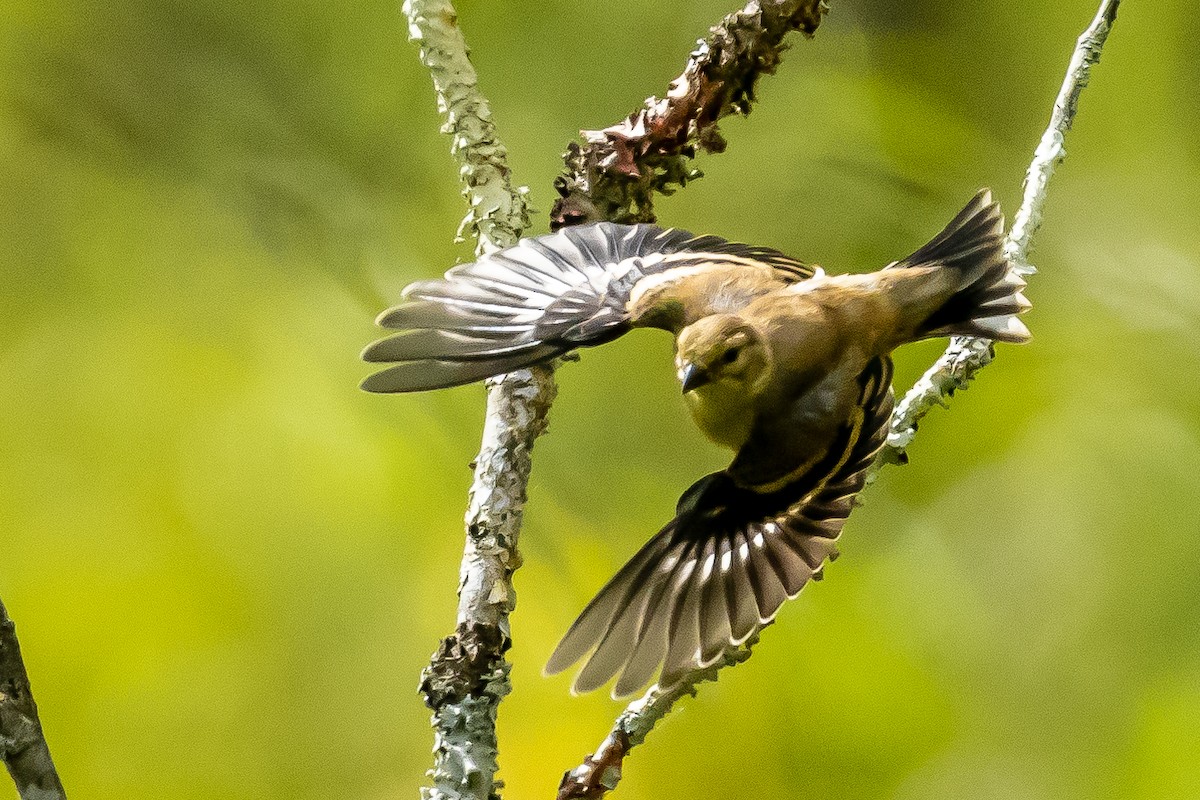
x: 962, y: 282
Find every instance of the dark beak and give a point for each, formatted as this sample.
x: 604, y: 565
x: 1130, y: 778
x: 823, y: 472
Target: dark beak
x: 693, y: 377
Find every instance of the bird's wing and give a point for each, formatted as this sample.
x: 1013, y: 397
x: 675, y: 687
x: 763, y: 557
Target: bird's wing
x: 539, y: 299
x: 722, y: 568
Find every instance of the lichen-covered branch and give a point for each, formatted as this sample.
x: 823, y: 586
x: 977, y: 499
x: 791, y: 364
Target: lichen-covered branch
x: 497, y: 212
x: 22, y: 744
x: 614, y: 174
x: 967, y: 355
x: 468, y: 674
x: 600, y: 772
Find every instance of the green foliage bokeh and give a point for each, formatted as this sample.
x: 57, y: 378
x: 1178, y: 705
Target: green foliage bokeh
x: 228, y: 565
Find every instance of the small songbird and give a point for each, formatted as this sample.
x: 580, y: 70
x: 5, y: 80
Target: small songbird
x: 785, y: 365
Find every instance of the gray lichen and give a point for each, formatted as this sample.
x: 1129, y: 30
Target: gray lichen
x: 497, y: 212
x: 468, y: 675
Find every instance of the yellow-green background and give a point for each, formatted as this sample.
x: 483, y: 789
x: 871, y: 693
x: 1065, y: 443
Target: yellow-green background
x: 228, y: 565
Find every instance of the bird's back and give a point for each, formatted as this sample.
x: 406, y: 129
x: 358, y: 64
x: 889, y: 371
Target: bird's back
x: 683, y: 295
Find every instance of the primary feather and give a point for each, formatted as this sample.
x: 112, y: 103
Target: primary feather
x: 546, y: 296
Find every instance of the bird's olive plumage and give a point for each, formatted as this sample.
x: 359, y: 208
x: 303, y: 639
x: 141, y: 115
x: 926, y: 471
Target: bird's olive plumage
x: 788, y: 367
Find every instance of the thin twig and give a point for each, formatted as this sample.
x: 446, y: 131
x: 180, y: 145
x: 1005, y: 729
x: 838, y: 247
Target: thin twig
x: 468, y: 674
x: 964, y: 357
x: 601, y: 772
x: 967, y: 355
x: 22, y: 742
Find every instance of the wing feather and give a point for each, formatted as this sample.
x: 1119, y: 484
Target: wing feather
x: 723, y: 567
x: 539, y: 299
x: 651, y: 646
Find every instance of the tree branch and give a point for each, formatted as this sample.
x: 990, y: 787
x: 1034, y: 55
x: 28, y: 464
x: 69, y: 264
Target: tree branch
x: 497, y: 212
x: 963, y: 358
x: 615, y: 173
x: 22, y: 742
x: 966, y: 355
x: 601, y: 772
x: 468, y: 674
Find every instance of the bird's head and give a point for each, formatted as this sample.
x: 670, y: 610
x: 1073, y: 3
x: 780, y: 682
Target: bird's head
x: 722, y: 352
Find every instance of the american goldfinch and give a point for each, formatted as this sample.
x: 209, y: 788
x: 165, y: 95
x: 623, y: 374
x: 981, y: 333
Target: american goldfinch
x: 783, y: 364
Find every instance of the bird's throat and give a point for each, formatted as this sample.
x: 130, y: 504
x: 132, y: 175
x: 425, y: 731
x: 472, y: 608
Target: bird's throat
x: 723, y: 412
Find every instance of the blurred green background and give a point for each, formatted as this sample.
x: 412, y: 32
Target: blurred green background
x: 228, y: 565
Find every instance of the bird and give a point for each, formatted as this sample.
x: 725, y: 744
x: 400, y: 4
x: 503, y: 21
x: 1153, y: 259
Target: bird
x: 785, y: 365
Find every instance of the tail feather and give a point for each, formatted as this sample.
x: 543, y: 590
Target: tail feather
x: 986, y: 294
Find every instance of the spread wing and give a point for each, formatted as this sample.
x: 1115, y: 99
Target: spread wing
x: 541, y: 298
x: 722, y: 568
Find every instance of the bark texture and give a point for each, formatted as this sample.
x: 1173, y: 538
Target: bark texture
x: 615, y: 172
x: 22, y: 743
x: 468, y: 674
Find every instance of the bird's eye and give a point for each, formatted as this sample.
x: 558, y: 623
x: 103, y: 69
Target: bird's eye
x: 731, y: 355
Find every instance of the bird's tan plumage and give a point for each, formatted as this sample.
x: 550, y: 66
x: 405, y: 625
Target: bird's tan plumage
x: 788, y: 367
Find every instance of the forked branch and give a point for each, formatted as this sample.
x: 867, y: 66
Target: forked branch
x: 612, y: 176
